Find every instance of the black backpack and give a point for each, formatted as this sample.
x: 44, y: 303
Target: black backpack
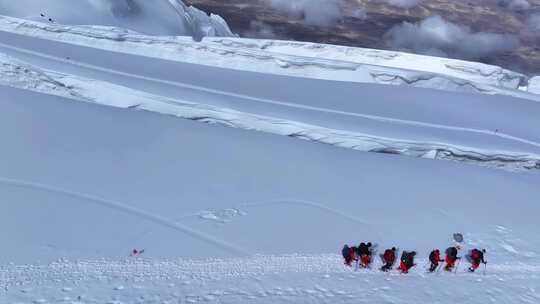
x: 451, y: 252
x: 410, y: 259
x: 432, y: 256
x: 363, y: 249
x: 345, y: 251
x: 405, y: 256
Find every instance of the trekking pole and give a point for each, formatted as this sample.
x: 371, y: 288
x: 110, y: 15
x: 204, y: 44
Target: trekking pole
x: 439, y: 267
x: 485, y: 268
x: 457, y: 265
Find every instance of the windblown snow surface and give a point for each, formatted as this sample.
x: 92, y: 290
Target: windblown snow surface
x: 242, y: 184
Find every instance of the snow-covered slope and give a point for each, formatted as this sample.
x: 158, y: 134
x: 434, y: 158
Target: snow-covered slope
x: 82, y: 182
x: 156, y: 17
x: 231, y: 193
x: 374, y: 127
x: 292, y: 59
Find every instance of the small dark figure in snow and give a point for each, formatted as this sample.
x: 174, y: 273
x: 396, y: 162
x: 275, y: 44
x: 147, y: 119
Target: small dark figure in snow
x: 388, y: 258
x: 407, y: 261
x: 364, y: 253
x: 349, y: 254
x: 51, y: 20
x: 42, y: 15
x: 451, y: 257
x: 476, y: 257
x: 435, y: 258
x: 136, y: 252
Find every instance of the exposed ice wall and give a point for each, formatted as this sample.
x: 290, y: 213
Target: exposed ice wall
x: 199, y: 23
x: 534, y: 85
x: 154, y: 17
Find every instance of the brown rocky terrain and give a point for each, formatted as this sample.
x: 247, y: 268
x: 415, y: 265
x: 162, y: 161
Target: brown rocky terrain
x: 258, y: 19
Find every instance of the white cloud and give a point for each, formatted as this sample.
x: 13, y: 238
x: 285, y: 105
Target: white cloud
x: 515, y: 5
x: 532, y: 29
x: 404, y: 3
x: 359, y: 13
x: 534, y: 23
x: 436, y: 36
x: 260, y: 30
x: 312, y: 12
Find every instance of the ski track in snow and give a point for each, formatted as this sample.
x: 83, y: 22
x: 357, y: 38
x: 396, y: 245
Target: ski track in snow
x: 214, y: 214
x: 174, y: 224
x: 274, y: 102
x: 130, y: 210
x: 311, y: 204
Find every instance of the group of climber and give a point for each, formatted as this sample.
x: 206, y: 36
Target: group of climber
x: 363, y: 256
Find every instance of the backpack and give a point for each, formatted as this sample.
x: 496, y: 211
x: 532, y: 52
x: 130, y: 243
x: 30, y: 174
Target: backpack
x: 451, y: 252
x: 433, y: 257
x: 404, y: 256
x: 363, y: 249
x: 410, y: 260
x: 476, y: 254
x: 389, y: 256
x: 345, y: 251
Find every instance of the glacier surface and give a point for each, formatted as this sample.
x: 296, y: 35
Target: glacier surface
x: 241, y: 167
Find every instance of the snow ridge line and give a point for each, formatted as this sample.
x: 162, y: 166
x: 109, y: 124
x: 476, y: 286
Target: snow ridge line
x: 376, y: 71
x: 253, y: 50
x: 127, y: 209
x: 339, y: 138
x: 275, y: 102
x: 452, y: 64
